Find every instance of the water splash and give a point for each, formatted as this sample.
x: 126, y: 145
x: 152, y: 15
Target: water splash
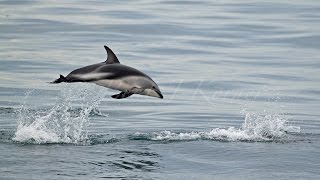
x: 60, y: 124
x: 256, y: 128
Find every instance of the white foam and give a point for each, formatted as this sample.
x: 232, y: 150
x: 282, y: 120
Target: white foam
x: 58, y: 124
x: 255, y: 128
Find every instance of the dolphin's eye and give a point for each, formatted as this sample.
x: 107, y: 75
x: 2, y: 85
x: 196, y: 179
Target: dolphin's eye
x: 153, y: 87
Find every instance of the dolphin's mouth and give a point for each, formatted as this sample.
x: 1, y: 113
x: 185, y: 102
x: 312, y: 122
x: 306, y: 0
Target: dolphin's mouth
x: 159, y: 93
x: 152, y: 92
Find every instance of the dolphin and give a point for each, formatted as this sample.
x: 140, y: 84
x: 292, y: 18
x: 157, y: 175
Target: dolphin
x: 113, y: 75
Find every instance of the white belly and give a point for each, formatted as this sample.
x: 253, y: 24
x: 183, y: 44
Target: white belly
x: 120, y: 85
x: 132, y: 83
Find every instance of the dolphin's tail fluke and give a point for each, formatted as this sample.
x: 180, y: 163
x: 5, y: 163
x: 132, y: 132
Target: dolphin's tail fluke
x: 59, y: 80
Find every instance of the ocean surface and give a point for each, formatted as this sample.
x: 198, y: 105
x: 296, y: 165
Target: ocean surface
x: 240, y: 79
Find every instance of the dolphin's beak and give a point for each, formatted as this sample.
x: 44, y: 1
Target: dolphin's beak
x: 154, y: 92
x: 159, y: 93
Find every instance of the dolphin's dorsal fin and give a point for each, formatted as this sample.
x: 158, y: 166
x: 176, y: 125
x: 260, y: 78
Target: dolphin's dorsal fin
x: 112, y: 58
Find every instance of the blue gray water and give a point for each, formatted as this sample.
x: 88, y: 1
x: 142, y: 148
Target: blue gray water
x: 240, y: 79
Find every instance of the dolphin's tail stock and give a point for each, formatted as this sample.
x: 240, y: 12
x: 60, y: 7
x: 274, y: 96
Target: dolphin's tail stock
x: 59, y: 80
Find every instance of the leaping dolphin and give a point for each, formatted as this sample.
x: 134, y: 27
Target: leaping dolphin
x: 113, y: 75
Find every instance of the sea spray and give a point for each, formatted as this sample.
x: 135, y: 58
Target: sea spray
x: 61, y: 123
x: 256, y: 128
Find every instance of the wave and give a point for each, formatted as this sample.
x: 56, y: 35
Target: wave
x: 256, y: 128
x: 95, y: 112
x: 65, y: 124
x: 60, y: 124
x: 7, y: 110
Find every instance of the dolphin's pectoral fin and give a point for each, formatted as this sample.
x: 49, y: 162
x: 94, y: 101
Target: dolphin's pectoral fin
x: 122, y: 95
x: 128, y: 93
